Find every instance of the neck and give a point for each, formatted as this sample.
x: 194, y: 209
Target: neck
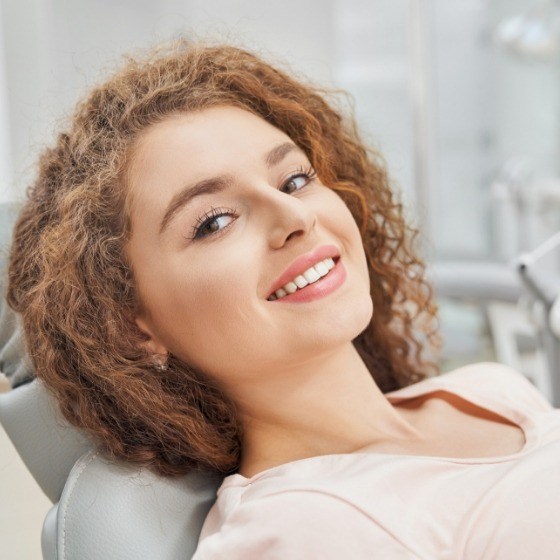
x: 328, y: 406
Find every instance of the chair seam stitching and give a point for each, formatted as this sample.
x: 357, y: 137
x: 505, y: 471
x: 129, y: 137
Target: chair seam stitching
x: 70, y: 494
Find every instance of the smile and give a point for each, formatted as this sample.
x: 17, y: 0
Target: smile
x: 309, y: 276
x: 316, y: 282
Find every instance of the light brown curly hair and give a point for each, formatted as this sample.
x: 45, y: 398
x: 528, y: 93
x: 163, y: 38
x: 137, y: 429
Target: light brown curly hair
x: 70, y: 280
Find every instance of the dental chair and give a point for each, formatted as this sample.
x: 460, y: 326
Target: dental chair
x: 101, y: 509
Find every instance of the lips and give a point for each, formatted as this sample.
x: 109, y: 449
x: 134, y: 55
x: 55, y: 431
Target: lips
x: 302, y: 263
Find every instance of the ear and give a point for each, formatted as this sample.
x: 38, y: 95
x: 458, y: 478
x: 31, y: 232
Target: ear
x: 152, y: 344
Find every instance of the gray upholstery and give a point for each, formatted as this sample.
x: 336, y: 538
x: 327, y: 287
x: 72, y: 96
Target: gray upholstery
x: 130, y: 513
x: 48, y: 446
x: 102, y: 509
x: 49, y: 534
x: 14, y: 363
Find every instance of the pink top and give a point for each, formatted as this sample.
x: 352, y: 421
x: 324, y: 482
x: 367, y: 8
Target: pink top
x: 370, y: 505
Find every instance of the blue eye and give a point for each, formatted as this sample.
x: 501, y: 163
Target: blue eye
x: 206, y: 224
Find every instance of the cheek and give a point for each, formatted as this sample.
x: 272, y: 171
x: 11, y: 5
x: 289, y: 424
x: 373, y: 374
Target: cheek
x: 226, y: 337
x: 338, y: 209
x: 209, y: 311
x: 342, y: 221
x: 350, y: 232
x: 351, y: 222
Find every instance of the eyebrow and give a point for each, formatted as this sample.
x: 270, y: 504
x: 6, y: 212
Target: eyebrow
x: 218, y: 184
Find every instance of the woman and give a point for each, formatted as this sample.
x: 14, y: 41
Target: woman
x: 213, y: 273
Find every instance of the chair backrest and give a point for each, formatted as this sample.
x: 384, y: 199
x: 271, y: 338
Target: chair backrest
x: 102, y: 509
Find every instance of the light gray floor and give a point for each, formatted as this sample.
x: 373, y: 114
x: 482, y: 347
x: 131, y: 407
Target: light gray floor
x: 23, y: 505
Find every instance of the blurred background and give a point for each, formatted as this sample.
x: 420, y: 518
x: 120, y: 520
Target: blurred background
x: 461, y: 96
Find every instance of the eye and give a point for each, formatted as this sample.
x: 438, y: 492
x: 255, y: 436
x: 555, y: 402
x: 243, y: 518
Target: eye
x: 205, y: 224
x: 302, y: 176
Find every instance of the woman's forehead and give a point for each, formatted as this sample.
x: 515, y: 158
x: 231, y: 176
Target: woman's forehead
x: 191, y: 147
x: 206, y: 137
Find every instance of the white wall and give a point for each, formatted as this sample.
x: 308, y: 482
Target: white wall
x: 484, y: 104
x: 54, y: 49
x: 6, y: 173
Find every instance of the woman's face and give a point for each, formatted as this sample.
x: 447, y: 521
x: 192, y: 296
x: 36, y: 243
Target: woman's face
x: 205, y: 292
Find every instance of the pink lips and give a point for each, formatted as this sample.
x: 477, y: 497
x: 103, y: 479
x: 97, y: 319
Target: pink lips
x: 301, y: 264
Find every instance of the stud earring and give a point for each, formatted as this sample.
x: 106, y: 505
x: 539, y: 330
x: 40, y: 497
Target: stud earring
x: 160, y: 365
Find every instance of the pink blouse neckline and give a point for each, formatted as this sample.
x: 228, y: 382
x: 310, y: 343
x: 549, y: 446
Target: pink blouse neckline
x: 432, y: 384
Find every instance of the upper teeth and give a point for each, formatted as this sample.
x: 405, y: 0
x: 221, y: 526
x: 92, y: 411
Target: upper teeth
x: 308, y: 277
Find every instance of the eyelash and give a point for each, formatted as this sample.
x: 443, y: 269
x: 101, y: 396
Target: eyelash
x: 214, y: 213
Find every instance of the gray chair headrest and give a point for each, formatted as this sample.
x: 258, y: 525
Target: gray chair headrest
x: 48, y: 445
x: 145, y: 515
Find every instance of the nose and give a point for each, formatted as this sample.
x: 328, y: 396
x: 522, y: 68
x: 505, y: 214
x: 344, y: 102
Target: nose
x: 285, y: 216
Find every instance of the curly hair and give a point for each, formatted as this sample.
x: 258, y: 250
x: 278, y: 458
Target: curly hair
x: 70, y: 280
